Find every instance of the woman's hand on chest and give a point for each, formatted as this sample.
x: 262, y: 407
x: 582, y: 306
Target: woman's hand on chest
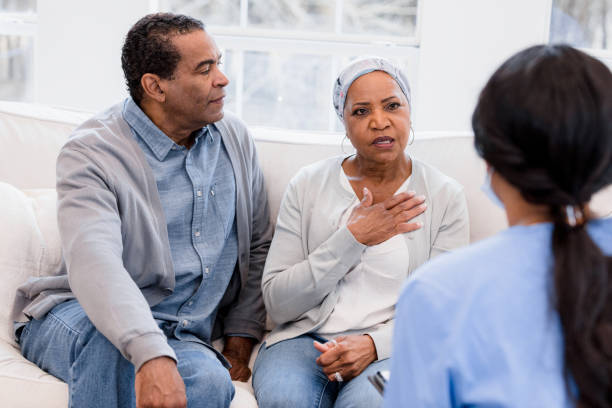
x: 372, y: 224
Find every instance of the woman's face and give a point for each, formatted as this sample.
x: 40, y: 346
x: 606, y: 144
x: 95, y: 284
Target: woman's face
x: 377, y: 117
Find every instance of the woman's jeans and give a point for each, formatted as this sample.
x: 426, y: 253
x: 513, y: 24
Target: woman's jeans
x: 286, y: 375
x: 68, y: 346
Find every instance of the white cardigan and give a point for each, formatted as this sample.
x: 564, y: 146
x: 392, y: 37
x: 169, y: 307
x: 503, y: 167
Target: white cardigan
x: 310, y: 253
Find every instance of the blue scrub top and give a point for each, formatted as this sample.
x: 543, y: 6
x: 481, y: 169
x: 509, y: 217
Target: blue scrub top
x: 476, y: 327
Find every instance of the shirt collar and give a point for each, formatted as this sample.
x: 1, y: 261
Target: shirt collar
x: 159, y: 143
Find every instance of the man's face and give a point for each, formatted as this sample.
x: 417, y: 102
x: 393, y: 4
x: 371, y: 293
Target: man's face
x: 195, y: 94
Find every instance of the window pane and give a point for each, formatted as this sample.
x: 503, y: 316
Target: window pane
x: 211, y: 12
x: 289, y: 91
x: 585, y: 24
x: 312, y: 15
x: 16, y: 54
x: 385, y: 17
x: 18, y: 6
x: 230, y: 68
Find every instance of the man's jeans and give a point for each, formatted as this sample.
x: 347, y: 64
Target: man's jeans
x: 286, y: 375
x: 68, y: 346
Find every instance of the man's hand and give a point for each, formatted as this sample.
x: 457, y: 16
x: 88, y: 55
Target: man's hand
x: 348, y: 357
x: 159, y: 385
x: 237, y: 350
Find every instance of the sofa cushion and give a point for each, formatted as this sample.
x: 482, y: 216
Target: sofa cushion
x: 29, y: 243
x: 24, y: 385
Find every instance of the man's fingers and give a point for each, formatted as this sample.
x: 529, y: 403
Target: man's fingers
x: 241, y: 374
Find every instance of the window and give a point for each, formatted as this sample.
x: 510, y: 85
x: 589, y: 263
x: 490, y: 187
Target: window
x: 282, y: 56
x: 17, y: 36
x: 584, y: 23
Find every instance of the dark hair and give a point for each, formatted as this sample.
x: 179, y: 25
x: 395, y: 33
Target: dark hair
x: 148, y: 48
x: 544, y: 122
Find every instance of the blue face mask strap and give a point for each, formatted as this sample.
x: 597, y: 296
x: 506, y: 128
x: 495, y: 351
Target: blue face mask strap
x: 488, y: 190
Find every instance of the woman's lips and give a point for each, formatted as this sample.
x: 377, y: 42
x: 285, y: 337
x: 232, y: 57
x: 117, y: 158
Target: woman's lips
x: 383, y: 142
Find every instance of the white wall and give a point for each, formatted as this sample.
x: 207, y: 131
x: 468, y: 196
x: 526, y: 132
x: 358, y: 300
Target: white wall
x: 462, y: 42
x: 78, y: 56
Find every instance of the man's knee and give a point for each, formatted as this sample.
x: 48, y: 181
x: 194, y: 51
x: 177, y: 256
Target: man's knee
x: 96, y: 354
x: 92, y: 342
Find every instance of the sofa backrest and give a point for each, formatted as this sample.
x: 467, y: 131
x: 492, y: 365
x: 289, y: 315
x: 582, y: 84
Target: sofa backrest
x: 32, y: 135
x: 30, y: 139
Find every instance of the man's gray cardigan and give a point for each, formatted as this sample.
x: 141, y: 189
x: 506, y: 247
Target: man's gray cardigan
x: 115, y: 243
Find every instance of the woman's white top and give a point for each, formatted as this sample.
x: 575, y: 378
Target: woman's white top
x: 311, y: 251
x: 368, y: 292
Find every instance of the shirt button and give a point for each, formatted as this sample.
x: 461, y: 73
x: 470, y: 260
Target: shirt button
x: 199, y: 193
x: 190, y: 303
x: 206, y: 269
x: 197, y: 233
x: 212, y: 193
x: 185, y: 323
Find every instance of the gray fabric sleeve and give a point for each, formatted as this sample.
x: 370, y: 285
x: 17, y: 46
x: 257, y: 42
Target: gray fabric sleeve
x: 294, y: 281
x: 454, y: 231
x: 248, y: 315
x: 91, y: 235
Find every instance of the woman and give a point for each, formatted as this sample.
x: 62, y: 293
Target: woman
x: 349, y: 231
x: 524, y: 318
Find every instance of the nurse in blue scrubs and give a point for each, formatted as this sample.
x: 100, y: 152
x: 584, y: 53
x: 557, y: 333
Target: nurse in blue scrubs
x: 524, y: 318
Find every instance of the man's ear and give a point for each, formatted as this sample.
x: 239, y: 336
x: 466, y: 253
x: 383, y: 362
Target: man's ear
x: 152, y: 87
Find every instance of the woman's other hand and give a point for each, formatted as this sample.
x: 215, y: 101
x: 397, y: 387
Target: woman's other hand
x: 373, y: 224
x: 347, y: 356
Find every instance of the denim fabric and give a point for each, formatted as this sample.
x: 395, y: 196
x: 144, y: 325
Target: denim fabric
x: 68, y: 346
x: 198, y: 195
x: 286, y: 375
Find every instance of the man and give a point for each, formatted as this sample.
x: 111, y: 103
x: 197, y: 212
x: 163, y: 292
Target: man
x: 164, y: 224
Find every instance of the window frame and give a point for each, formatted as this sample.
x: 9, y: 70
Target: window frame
x: 23, y: 25
x: 243, y: 38
x: 605, y: 55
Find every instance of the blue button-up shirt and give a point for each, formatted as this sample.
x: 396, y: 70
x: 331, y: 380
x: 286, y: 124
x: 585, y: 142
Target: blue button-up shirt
x: 198, y: 195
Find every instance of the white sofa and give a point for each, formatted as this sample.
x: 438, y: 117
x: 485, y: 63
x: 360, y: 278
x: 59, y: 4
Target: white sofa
x: 30, y: 138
